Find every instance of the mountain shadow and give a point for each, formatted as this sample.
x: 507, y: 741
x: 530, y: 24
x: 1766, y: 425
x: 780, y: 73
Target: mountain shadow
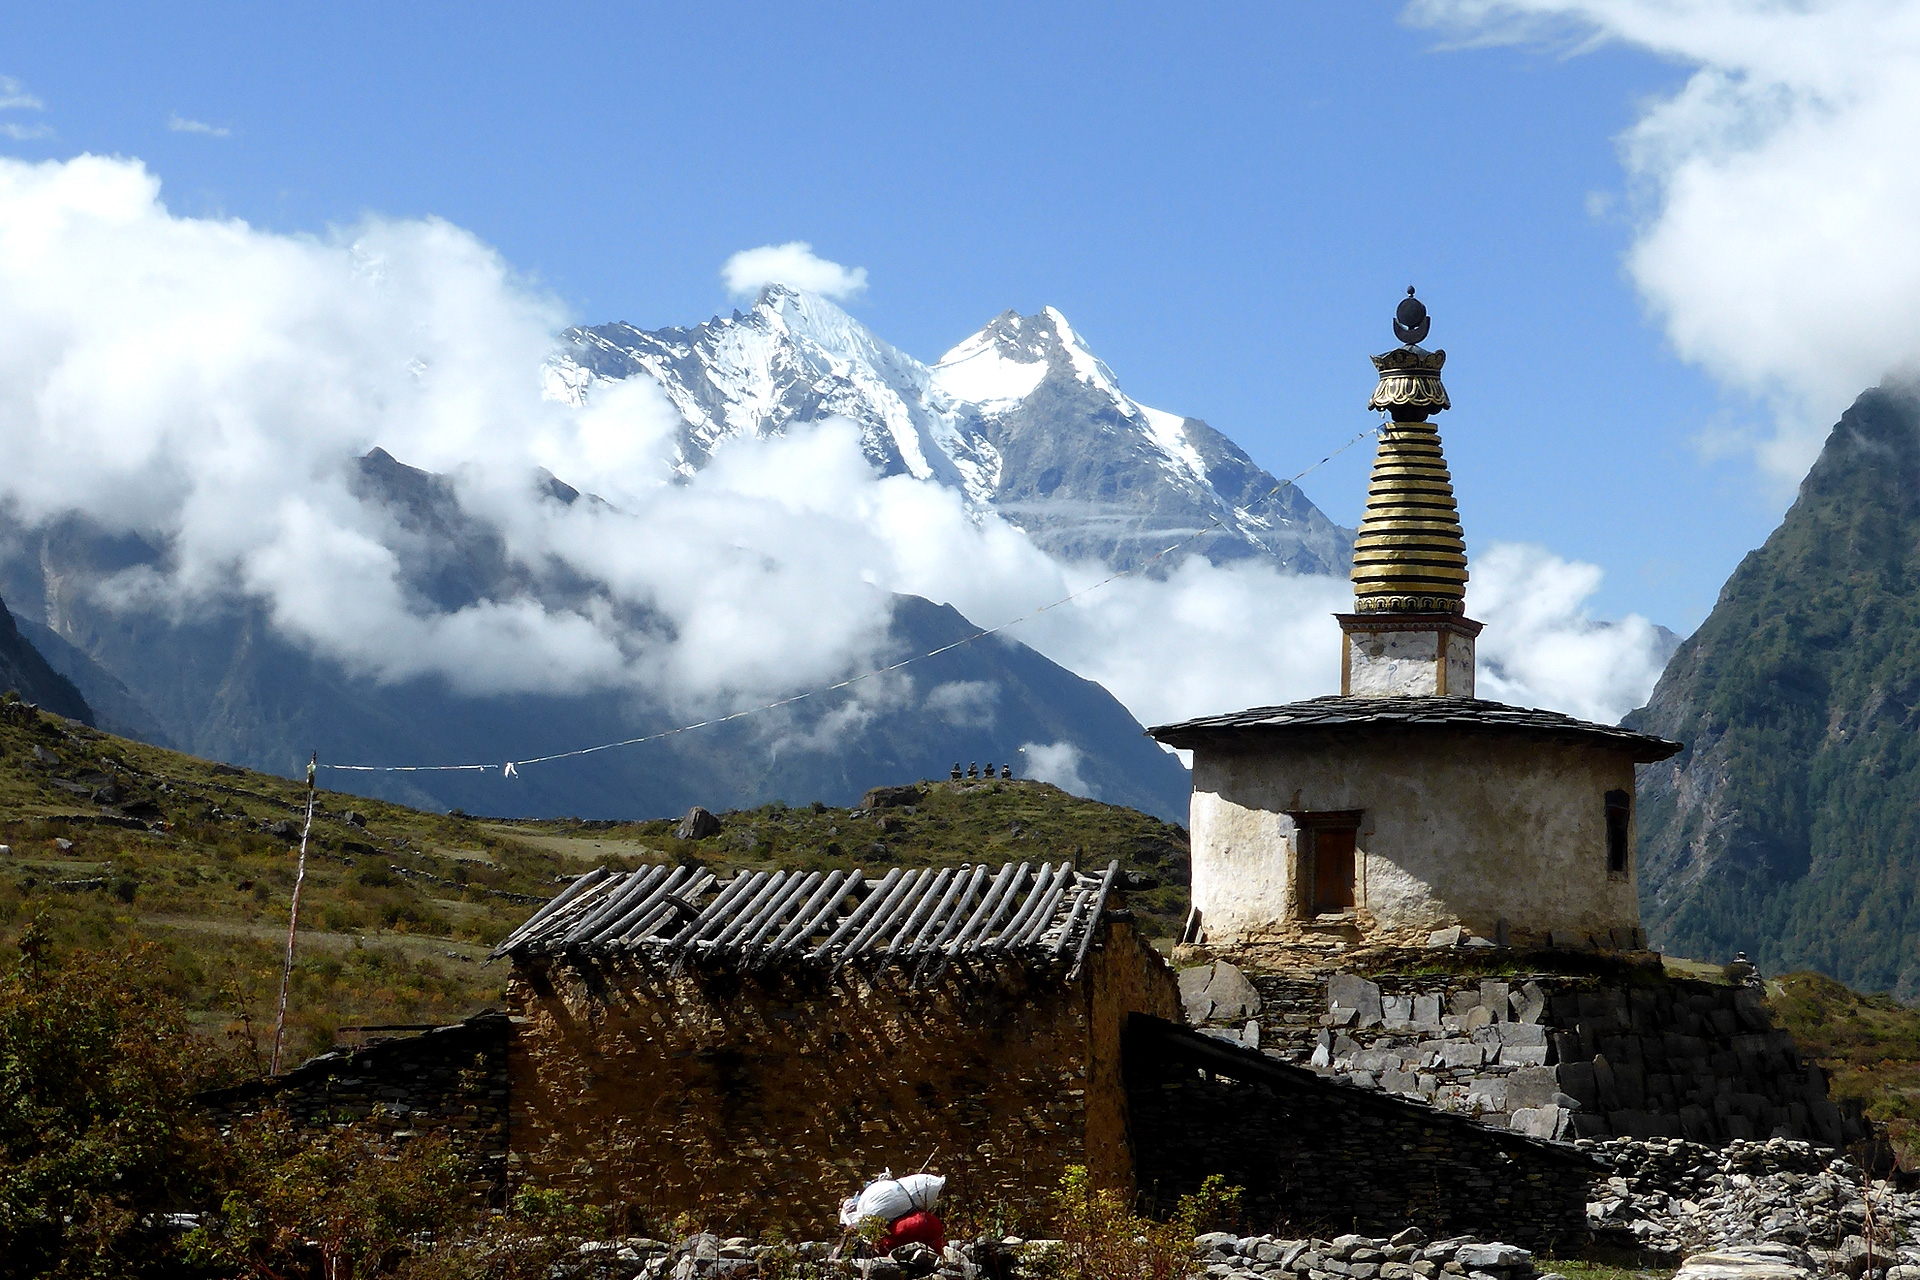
x: 23, y: 670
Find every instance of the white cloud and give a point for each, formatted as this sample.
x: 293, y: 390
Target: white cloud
x: 964, y: 703
x: 1542, y: 648
x: 14, y: 96
x: 1779, y: 230
x: 795, y: 264
x: 1058, y: 763
x: 24, y: 132
x: 181, y: 124
x: 209, y: 386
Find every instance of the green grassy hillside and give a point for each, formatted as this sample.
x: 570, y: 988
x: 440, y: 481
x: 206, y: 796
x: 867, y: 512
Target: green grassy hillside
x: 109, y: 840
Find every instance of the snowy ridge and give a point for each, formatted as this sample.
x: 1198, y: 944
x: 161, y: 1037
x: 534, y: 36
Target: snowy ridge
x: 1021, y: 417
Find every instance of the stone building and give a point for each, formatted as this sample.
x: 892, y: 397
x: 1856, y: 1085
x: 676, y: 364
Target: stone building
x: 1405, y: 806
x: 750, y: 1050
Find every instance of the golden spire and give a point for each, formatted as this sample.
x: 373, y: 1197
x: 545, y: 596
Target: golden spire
x: 1410, y: 556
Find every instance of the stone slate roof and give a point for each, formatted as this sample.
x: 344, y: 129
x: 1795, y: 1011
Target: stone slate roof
x: 920, y: 919
x: 1344, y: 717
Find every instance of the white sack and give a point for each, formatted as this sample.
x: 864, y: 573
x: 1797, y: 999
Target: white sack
x: 890, y: 1199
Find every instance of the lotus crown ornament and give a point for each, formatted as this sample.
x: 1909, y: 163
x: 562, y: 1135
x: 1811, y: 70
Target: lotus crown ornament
x: 1410, y: 386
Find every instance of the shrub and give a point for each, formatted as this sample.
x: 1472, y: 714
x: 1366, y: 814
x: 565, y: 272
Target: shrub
x: 99, y: 1136
x: 352, y: 1200
x: 1101, y: 1238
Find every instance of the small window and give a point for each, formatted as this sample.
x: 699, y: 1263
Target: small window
x: 1619, y: 832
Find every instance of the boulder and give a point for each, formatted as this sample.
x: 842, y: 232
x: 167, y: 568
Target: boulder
x: 1539, y: 1122
x: 1231, y: 994
x: 1749, y: 1262
x: 1193, y: 993
x: 1533, y: 1087
x: 1350, y: 991
x: 697, y: 825
x: 1448, y: 937
x: 890, y: 797
x: 1482, y: 1257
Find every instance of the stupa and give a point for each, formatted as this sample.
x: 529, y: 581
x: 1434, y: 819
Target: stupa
x: 1405, y: 808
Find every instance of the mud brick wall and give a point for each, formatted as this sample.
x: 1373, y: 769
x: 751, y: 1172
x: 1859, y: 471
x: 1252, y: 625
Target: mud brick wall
x: 1637, y: 1054
x: 1320, y: 1158
x: 450, y: 1081
x: 757, y: 1099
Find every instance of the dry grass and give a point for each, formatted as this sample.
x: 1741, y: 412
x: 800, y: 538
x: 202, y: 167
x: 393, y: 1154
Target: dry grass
x: 400, y: 907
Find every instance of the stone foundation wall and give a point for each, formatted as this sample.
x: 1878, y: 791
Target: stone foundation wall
x: 451, y: 1081
x: 1319, y: 1157
x: 766, y: 1097
x: 1637, y: 1054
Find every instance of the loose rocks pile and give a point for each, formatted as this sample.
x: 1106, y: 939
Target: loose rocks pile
x: 1667, y: 1199
x: 709, y: 1257
x: 1406, y: 1256
x: 1402, y: 1257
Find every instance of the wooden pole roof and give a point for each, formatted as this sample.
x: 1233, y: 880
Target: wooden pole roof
x: 920, y: 919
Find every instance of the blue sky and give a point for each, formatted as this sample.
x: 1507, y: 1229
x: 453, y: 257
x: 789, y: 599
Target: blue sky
x: 1227, y: 205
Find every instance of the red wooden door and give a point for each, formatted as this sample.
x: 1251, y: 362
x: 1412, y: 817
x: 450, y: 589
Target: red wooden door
x: 1333, y: 869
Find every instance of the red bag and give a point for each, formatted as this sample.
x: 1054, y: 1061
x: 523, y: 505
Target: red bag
x: 916, y: 1228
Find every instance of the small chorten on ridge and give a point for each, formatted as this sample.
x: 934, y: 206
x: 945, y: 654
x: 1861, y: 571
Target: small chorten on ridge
x: 1405, y: 811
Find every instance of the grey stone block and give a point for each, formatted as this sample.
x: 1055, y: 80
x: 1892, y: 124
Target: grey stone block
x: 1482, y: 1256
x: 1426, y: 1011
x: 1540, y: 1122
x: 1193, y: 993
x: 1522, y: 1033
x: 1768, y: 1261
x: 1532, y: 1087
x: 1400, y: 1082
x: 1448, y: 937
x: 1493, y: 998
x: 1350, y: 991
x: 1230, y: 992
x: 1487, y: 1093
x: 1525, y: 1055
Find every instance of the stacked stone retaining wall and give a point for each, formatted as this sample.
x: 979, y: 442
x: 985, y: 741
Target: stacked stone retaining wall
x: 450, y: 1081
x: 1322, y: 1157
x: 1638, y: 1054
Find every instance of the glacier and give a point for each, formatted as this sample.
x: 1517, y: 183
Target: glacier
x: 1021, y: 418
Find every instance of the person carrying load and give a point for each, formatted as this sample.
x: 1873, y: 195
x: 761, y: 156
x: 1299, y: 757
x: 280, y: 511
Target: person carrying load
x: 906, y: 1205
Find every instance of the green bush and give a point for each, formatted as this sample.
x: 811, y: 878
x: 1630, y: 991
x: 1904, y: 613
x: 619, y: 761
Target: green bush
x: 1101, y: 1238
x: 99, y: 1136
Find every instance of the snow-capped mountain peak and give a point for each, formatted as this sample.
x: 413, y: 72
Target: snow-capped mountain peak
x: 1022, y: 417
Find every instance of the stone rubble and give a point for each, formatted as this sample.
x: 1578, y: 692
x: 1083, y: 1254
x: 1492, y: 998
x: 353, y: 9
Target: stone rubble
x: 1410, y: 1255
x: 1668, y: 1199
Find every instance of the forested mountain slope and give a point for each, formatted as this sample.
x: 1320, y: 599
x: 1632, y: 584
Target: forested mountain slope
x: 1790, y: 827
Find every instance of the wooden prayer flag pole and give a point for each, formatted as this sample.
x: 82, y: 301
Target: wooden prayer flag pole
x: 293, y: 919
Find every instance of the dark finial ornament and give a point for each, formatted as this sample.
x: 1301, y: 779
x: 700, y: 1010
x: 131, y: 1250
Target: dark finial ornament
x: 1409, y: 387
x: 1411, y: 321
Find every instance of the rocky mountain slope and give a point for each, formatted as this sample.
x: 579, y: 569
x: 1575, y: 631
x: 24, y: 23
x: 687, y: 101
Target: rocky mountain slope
x: 1021, y: 417
x: 225, y: 684
x: 1790, y: 827
x: 23, y: 670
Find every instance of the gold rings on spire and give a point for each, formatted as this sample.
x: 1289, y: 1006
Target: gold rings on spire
x: 1410, y: 556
